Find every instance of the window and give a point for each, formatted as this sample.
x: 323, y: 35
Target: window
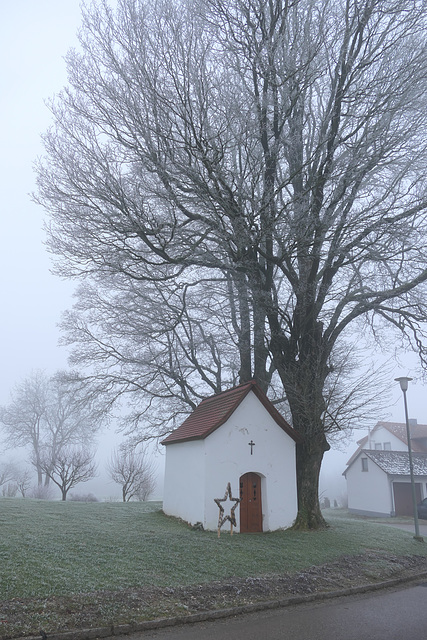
x: 378, y: 446
x: 387, y: 446
x: 364, y: 464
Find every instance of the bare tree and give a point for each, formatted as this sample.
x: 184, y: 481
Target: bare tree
x: 134, y: 472
x: 49, y: 413
x: 268, y: 157
x: 9, y: 490
x: 23, y: 480
x: 14, y: 476
x: 23, y: 417
x: 8, y: 473
x: 159, y: 344
x: 70, y: 467
x: 72, y: 417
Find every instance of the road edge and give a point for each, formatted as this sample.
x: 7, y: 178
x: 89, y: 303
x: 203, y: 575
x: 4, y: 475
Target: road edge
x: 216, y: 614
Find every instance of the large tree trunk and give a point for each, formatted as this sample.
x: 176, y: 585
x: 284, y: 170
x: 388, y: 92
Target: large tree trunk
x: 261, y: 353
x: 302, y: 367
x: 307, y: 405
x: 309, y: 460
x: 242, y: 329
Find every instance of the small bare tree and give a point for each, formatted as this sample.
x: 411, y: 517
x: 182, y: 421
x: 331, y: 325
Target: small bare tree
x: 23, y: 480
x: 7, y: 473
x: 71, y: 466
x: 133, y: 471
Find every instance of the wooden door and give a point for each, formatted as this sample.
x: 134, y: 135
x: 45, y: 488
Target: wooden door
x: 250, y: 503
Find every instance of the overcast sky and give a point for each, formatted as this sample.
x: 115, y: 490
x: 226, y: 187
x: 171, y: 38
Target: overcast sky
x: 34, y: 37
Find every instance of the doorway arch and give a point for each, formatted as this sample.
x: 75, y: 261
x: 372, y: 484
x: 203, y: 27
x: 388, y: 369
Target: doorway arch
x: 250, y: 503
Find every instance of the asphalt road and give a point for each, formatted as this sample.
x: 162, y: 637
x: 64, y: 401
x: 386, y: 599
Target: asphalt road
x: 384, y: 615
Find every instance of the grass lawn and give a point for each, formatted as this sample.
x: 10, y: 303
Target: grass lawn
x: 59, y: 549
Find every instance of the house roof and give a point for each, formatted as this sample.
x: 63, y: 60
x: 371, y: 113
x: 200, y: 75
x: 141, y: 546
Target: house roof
x: 418, y: 436
x: 396, y: 463
x: 398, y: 429
x: 214, y: 411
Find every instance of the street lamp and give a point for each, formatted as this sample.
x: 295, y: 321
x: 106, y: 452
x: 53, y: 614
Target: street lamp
x: 404, y: 386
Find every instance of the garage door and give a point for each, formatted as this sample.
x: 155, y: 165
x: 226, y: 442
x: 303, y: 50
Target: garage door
x: 403, y: 497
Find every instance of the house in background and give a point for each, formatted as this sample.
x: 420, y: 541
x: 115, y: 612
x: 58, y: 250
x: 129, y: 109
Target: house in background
x: 377, y: 474
x: 235, y: 437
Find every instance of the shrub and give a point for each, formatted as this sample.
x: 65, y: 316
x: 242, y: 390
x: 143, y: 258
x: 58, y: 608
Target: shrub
x: 41, y: 492
x: 83, y: 497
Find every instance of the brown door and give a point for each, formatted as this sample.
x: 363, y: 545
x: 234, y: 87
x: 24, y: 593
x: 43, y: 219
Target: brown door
x: 403, y: 498
x: 250, y: 503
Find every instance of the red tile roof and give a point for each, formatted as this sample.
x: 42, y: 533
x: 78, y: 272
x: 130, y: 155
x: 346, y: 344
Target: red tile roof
x: 398, y: 429
x: 214, y: 411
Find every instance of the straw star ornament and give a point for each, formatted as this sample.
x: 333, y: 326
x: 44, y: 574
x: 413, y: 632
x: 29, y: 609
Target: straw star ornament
x: 231, y: 517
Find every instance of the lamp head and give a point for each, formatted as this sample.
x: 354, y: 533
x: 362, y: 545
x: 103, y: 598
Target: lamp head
x: 403, y: 381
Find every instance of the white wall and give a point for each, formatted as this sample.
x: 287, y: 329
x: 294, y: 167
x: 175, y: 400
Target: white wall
x: 382, y: 435
x: 184, y: 480
x: 228, y: 456
x: 369, y: 492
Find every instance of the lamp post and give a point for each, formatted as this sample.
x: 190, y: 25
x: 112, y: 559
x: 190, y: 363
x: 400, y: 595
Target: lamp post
x: 403, y: 381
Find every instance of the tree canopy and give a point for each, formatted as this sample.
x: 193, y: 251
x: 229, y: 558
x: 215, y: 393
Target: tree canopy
x: 238, y: 185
